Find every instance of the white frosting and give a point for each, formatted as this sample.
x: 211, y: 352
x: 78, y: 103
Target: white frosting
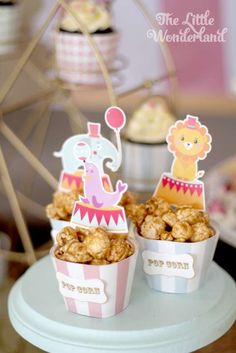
x: 94, y: 17
x: 150, y: 122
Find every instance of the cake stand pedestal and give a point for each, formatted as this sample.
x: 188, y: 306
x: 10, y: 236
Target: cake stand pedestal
x: 153, y: 322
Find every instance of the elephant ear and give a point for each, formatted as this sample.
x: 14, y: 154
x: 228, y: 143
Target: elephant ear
x: 71, y: 164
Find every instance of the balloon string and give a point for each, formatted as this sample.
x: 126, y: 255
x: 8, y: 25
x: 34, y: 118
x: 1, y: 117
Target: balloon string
x: 119, y: 148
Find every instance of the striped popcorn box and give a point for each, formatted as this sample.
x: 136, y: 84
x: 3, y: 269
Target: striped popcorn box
x: 76, y: 61
x: 54, y: 235
x: 95, y: 290
x: 174, y: 267
x: 143, y: 164
x: 10, y: 25
x: 57, y: 225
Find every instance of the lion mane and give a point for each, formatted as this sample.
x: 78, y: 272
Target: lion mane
x: 200, y: 128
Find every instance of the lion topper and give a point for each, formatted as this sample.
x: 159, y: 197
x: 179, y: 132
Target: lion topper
x: 189, y: 141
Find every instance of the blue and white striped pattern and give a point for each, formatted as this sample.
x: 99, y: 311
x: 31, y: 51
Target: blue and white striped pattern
x: 202, y: 253
x: 143, y: 164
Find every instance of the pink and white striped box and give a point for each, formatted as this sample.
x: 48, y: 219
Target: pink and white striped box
x: 76, y: 61
x: 95, y: 290
x: 58, y: 225
x: 174, y: 267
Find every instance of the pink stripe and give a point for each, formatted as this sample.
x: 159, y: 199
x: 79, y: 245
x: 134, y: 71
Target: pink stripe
x: 92, y: 272
x: 200, y: 66
x: 62, y: 268
x: 122, y: 278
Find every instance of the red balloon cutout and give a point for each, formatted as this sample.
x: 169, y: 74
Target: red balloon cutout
x: 115, y: 118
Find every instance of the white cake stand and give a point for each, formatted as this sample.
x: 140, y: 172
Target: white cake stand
x: 153, y: 322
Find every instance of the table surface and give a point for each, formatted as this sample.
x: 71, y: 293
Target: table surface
x: 153, y: 321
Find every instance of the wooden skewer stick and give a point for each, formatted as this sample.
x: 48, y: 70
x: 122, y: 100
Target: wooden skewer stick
x: 19, y: 219
x: 15, y: 256
x: 38, y: 139
x: 28, y: 155
x: 27, y: 127
x: 30, y: 206
x: 76, y: 118
x: 35, y: 73
x: 146, y: 84
x: 35, y: 98
x: 21, y: 257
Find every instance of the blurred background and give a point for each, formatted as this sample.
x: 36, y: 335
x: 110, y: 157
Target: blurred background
x: 206, y: 87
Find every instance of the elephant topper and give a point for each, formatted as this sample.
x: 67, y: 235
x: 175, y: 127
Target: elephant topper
x: 93, y: 147
x: 189, y: 142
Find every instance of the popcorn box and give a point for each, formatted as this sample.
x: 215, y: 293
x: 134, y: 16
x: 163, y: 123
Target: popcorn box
x: 95, y: 290
x: 58, y: 224
x: 175, y: 267
x: 54, y: 235
x: 144, y: 163
x: 76, y: 61
x: 10, y: 23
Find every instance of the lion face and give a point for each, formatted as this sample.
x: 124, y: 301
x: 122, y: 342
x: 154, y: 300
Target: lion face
x: 192, y: 143
x: 189, y: 142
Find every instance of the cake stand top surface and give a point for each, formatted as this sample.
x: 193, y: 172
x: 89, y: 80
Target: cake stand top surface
x: 152, y: 322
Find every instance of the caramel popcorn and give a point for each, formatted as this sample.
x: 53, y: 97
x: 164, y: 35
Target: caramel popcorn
x: 81, y: 233
x: 191, y: 215
x: 66, y: 235
x: 136, y: 213
x: 120, y: 250
x: 152, y: 227
x: 158, y: 220
x: 182, y: 231
x: 128, y: 198
x: 94, y: 246
x: 74, y: 251
x: 201, y: 232
x: 98, y: 243
x: 166, y: 236
x: 157, y: 206
x: 62, y: 205
x: 170, y: 218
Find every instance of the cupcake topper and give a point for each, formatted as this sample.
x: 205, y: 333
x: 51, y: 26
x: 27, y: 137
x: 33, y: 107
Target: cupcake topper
x: 189, y: 142
x: 83, y: 157
x: 94, y: 148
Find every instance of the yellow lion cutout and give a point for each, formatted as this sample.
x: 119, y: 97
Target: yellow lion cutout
x: 189, y: 141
